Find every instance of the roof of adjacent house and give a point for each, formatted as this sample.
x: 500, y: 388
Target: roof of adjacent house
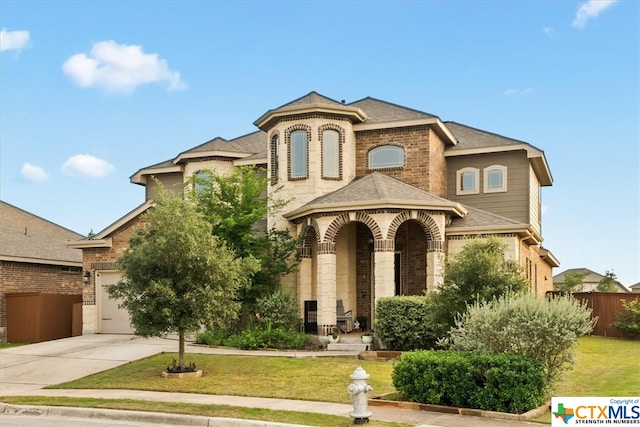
x: 25, y: 237
x: 373, y: 191
x: 590, y: 277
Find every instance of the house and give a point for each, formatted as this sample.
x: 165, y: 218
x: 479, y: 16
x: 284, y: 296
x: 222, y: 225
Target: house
x: 35, y: 258
x: 381, y: 194
x: 590, y: 281
x: 635, y: 287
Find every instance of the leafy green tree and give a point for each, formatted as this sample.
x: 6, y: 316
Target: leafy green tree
x: 236, y: 204
x: 178, y: 277
x: 573, y: 281
x: 478, y: 273
x: 608, y: 282
x: 628, y: 319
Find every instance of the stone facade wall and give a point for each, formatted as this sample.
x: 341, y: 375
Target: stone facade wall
x: 419, y: 170
x: 29, y: 277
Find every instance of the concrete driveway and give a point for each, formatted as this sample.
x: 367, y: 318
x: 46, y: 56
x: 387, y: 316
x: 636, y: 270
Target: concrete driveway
x: 31, y: 367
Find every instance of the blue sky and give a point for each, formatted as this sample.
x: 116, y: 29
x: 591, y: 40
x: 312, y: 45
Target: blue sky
x: 92, y: 91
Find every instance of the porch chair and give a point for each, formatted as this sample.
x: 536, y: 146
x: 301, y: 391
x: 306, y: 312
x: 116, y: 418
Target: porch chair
x: 344, y: 319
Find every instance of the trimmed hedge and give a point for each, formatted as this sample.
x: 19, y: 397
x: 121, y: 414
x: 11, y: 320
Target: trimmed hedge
x: 491, y: 382
x: 405, y: 322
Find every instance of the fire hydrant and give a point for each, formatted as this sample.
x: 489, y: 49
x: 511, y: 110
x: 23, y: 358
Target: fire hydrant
x: 359, y: 391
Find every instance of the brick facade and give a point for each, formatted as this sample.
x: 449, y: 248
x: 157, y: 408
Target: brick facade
x: 537, y: 271
x: 18, y: 277
x: 425, y: 165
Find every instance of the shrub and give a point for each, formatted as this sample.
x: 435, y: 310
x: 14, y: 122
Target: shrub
x: 267, y: 337
x: 279, y: 308
x: 209, y: 337
x: 404, y: 323
x: 524, y: 324
x: 629, y: 319
x: 492, y: 382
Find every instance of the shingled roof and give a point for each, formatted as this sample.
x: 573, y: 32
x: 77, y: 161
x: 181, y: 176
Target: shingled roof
x: 381, y: 111
x: 376, y: 190
x: 25, y: 237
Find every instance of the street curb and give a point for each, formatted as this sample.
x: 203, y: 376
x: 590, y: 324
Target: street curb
x: 141, y: 416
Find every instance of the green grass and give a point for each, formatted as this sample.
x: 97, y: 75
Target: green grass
x: 223, y: 411
x: 9, y: 345
x: 603, y: 367
x: 319, y: 379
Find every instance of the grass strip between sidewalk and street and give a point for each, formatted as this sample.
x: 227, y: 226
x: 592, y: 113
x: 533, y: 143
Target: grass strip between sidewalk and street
x: 220, y: 411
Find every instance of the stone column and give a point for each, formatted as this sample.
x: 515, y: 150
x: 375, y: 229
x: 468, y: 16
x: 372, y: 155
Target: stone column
x: 304, y: 280
x: 384, y: 271
x: 435, y: 265
x: 326, y: 285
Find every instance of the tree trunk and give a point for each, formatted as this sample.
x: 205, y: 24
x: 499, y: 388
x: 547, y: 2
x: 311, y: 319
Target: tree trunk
x: 181, y: 350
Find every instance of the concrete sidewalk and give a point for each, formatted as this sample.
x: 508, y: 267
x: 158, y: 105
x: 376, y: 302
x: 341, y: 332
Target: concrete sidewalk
x: 27, y: 369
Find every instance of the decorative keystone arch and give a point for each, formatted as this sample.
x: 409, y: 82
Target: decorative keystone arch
x: 308, y: 241
x: 426, y: 222
x: 345, y: 218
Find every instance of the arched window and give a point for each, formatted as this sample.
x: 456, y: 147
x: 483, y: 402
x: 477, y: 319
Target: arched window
x: 467, y: 181
x: 298, y: 154
x: 386, y: 156
x: 330, y: 154
x: 275, y: 158
x: 495, y: 179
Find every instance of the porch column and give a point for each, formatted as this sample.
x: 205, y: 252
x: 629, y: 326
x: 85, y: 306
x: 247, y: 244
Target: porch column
x: 435, y: 265
x: 384, y: 271
x: 305, y: 280
x: 326, y: 285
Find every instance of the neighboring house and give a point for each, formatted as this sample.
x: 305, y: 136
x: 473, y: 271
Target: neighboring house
x: 34, y: 257
x: 381, y: 194
x: 635, y: 287
x: 590, y: 281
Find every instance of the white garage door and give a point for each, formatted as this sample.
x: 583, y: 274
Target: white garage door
x: 112, y: 320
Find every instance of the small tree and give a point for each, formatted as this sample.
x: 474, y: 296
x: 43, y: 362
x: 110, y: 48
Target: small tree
x: 524, y: 324
x: 177, y: 276
x: 608, y: 282
x: 573, y: 280
x: 628, y: 319
x: 479, y: 272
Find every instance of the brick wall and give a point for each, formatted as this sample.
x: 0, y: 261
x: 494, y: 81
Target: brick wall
x: 27, y: 277
x: 537, y: 271
x: 105, y: 258
x: 425, y: 166
x: 412, y: 244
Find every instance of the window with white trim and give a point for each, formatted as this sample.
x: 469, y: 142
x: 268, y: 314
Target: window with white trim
x: 495, y: 179
x: 330, y: 154
x: 386, y: 156
x: 467, y: 181
x: 298, y: 155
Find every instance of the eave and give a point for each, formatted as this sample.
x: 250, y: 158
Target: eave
x: 525, y: 231
x: 90, y: 243
x: 549, y: 258
x: 304, y: 211
x: 433, y: 122
x: 28, y: 260
x: 211, y: 153
x: 141, y: 176
x: 250, y: 162
x: 266, y: 121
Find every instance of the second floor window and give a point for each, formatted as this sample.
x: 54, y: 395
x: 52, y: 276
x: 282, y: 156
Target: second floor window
x: 467, y: 181
x: 298, y: 159
x: 330, y: 154
x: 386, y: 156
x: 275, y: 158
x: 202, y: 181
x: 495, y: 179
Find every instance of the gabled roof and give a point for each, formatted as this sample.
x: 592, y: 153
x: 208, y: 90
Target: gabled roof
x: 312, y: 102
x: 246, y: 149
x: 25, y: 237
x: 477, y: 141
x: 478, y: 221
x: 103, y: 238
x: 589, y: 278
x: 374, y: 191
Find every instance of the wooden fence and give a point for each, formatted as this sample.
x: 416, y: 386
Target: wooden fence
x: 605, y: 306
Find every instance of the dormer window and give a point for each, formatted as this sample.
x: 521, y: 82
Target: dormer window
x: 467, y: 181
x: 298, y: 154
x: 495, y: 179
x: 386, y: 156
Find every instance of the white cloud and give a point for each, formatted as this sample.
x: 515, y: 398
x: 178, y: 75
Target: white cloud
x: 588, y: 10
x: 548, y: 31
x: 120, y: 68
x: 525, y: 91
x: 86, y: 164
x: 33, y: 173
x: 13, y: 40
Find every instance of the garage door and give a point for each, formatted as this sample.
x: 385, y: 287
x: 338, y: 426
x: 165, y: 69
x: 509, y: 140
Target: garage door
x: 113, y: 320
